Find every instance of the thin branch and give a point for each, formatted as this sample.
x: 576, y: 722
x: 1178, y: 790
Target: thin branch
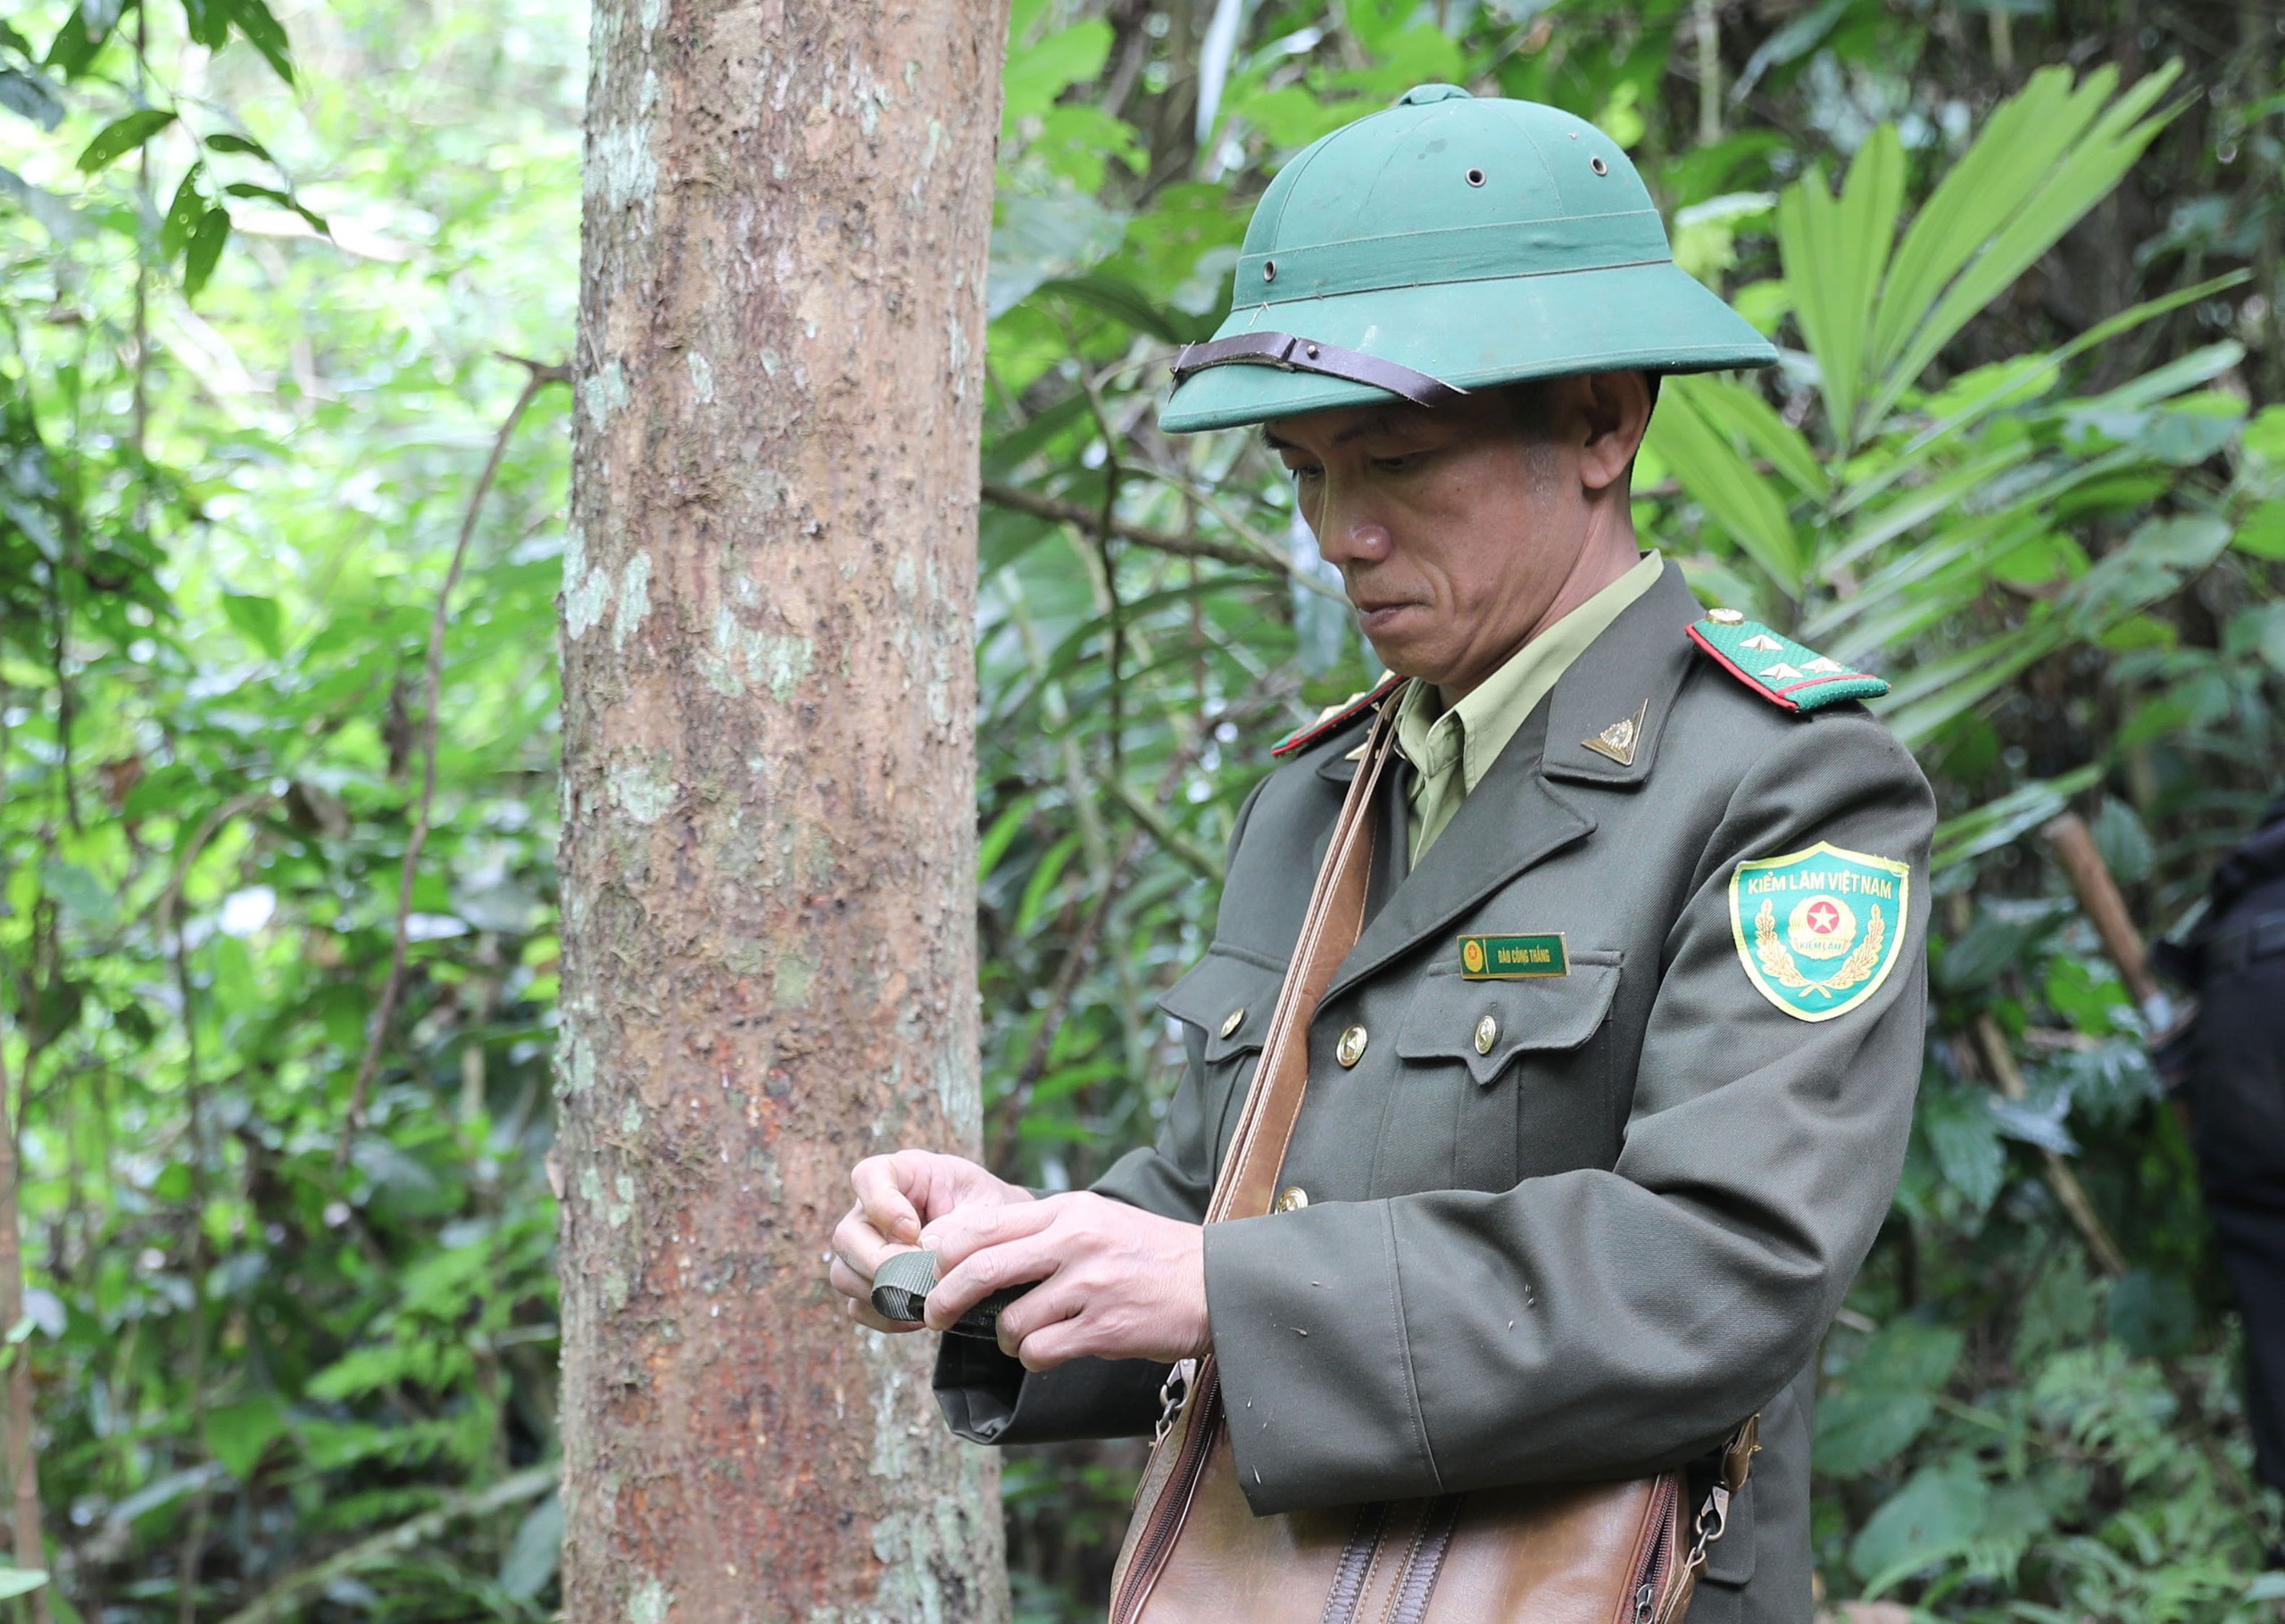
x: 541, y: 374
x: 1162, y: 829
x: 1106, y: 517
x: 2000, y: 1064
x: 194, y: 1539
x: 283, y: 1600
x: 168, y: 908
x: 1063, y: 510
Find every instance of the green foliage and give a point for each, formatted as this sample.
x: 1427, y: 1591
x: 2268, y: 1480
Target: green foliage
x: 2025, y: 455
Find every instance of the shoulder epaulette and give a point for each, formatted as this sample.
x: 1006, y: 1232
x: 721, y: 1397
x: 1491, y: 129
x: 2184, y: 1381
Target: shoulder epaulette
x: 1335, y: 716
x: 1791, y: 676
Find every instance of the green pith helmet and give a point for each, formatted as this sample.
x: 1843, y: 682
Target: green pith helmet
x: 1450, y: 243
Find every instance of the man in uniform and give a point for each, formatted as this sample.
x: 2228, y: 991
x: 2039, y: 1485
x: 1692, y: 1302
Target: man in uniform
x: 1607, y: 1102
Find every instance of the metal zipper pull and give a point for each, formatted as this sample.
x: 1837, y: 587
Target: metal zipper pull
x: 1173, y: 1394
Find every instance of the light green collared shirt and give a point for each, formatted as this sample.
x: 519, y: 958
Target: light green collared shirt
x: 1450, y: 751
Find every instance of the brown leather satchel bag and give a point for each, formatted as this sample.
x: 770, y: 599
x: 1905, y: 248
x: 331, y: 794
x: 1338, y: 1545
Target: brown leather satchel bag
x: 1195, y: 1553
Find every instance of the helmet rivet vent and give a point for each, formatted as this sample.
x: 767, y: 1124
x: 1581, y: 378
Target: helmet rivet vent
x: 1475, y: 178
x: 1313, y: 352
x: 1598, y: 166
x: 1269, y: 270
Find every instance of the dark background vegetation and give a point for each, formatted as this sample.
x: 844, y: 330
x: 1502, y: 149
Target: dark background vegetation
x: 287, y: 1326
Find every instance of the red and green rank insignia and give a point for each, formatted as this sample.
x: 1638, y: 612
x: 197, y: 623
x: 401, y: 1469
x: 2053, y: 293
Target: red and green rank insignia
x: 1791, y: 676
x: 1819, y: 930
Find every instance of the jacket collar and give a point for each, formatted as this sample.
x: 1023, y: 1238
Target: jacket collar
x: 1629, y: 676
x: 1516, y: 818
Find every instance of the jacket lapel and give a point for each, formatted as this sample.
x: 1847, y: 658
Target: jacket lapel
x: 1515, y: 818
x: 1511, y: 821
x: 1621, y: 689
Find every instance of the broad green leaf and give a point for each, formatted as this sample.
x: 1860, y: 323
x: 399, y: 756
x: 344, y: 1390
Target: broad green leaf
x: 2265, y: 436
x: 2020, y: 141
x: 16, y: 1581
x: 2150, y: 1314
x: 208, y: 22
x: 2014, y: 383
x: 237, y: 1434
x: 536, y: 1552
x: 123, y: 135
x: 1889, y: 1396
x: 28, y: 94
x: 1936, y: 1513
x: 2056, y: 170
x: 1742, y: 501
x: 2002, y: 822
x: 225, y: 142
x: 183, y: 214
x: 2262, y: 531
x: 1038, y: 74
x: 263, y: 30
x: 1738, y: 409
x: 1122, y: 301
x: 1835, y: 250
x: 258, y: 621
x: 203, y: 250
x: 83, y: 33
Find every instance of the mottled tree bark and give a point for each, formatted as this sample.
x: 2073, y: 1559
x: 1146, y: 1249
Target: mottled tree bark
x: 769, y: 824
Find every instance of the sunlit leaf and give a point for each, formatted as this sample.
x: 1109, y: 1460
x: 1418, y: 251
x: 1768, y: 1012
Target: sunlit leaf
x: 123, y: 135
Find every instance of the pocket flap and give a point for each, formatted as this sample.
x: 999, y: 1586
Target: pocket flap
x: 1227, y: 997
x: 1487, y: 1023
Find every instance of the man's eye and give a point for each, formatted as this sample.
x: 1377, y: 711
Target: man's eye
x: 1305, y: 472
x: 1395, y: 465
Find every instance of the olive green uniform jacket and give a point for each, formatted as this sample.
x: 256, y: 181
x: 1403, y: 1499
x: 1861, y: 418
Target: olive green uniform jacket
x: 1592, y: 1249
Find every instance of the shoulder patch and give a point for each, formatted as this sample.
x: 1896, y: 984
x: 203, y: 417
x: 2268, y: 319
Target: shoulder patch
x: 1818, y: 930
x: 1791, y: 676
x: 1335, y: 716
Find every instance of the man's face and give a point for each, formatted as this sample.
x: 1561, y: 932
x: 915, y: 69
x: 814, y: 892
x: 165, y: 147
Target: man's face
x: 1454, y: 529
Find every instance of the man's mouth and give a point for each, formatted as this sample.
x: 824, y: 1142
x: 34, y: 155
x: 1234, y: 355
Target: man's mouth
x: 1380, y: 613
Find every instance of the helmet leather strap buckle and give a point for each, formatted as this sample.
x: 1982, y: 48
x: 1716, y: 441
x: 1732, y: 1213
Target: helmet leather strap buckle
x: 1288, y: 353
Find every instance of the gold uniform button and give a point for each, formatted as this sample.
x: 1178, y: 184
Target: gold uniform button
x: 1725, y: 616
x: 1487, y: 1033
x: 1292, y: 1198
x: 1351, y: 1049
x: 1233, y: 1020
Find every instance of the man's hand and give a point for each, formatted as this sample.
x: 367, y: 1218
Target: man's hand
x: 896, y: 1195
x: 1114, y: 1281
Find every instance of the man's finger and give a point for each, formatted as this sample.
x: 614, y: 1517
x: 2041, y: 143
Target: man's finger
x: 860, y: 1243
x: 857, y: 1288
x: 1049, y: 1303
x: 1017, y: 1263
x: 1054, y: 1344
x: 883, y: 1184
x: 864, y: 1315
x: 966, y: 1230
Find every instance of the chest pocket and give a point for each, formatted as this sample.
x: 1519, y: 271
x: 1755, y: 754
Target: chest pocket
x: 1226, y: 998
x: 1530, y: 1062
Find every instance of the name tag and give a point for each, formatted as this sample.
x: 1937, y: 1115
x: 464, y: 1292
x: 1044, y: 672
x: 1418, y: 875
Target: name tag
x: 1501, y: 958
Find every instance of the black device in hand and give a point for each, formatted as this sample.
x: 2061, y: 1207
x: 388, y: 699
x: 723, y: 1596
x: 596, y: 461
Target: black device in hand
x: 900, y: 1288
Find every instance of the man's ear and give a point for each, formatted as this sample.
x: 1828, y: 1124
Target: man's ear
x: 1614, y: 410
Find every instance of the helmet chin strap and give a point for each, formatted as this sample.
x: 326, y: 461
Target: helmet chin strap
x: 1291, y: 354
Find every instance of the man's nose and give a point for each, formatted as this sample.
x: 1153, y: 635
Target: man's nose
x: 1350, y: 532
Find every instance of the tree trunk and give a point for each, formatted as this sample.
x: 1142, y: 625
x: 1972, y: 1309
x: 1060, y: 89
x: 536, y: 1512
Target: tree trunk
x: 28, y: 1545
x: 769, y: 807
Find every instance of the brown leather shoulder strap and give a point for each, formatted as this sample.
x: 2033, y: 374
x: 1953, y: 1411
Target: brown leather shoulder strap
x: 1248, y: 1183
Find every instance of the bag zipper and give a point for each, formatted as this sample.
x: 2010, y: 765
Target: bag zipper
x: 1650, y: 1577
x: 1174, y: 1499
